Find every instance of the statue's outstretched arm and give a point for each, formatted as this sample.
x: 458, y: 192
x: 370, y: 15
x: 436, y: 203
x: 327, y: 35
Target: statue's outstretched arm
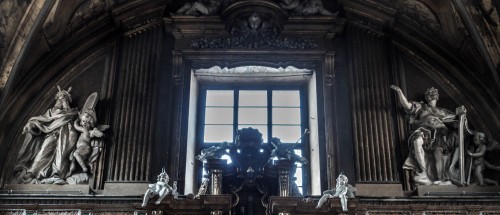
x: 402, y: 99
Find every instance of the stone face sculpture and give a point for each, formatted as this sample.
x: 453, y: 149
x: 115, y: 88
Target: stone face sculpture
x: 342, y: 190
x: 160, y: 188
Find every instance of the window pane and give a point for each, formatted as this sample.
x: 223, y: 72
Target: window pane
x: 218, y: 133
x: 262, y: 129
x: 286, y: 116
x: 298, y: 175
x: 219, y: 115
x: 220, y: 98
x: 286, y: 98
x: 287, y: 134
x: 252, y: 116
x: 253, y: 98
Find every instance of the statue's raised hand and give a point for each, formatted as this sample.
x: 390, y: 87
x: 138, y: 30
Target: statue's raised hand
x: 396, y: 88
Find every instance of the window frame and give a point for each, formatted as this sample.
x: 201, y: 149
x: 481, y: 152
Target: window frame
x: 304, y: 122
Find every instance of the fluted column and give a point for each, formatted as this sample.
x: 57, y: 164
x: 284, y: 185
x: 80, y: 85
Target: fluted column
x: 372, y: 127
x: 135, y: 107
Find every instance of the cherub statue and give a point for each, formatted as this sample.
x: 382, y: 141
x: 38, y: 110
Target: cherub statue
x: 213, y: 152
x: 85, y: 124
x: 342, y: 190
x: 160, y: 188
x: 479, y: 163
x: 285, y: 151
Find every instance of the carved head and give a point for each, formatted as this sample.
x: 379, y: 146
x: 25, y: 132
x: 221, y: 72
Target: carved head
x: 63, y: 98
x: 163, y: 176
x: 431, y: 94
x: 88, y: 118
x: 479, y: 138
x: 254, y: 21
x: 342, y: 179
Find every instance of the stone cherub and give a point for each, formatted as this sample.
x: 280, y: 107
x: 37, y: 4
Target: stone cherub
x: 160, y: 188
x: 85, y: 124
x: 343, y: 190
x: 479, y: 163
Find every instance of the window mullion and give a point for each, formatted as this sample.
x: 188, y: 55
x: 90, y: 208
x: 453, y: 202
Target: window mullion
x: 269, y: 115
x: 236, y: 99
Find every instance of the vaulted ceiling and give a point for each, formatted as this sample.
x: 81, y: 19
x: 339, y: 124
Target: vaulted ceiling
x: 463, y: 36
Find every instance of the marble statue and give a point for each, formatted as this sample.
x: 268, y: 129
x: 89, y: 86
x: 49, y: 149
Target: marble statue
x: 85, y: 124
x: 433, y: 133
x: 479, y: 163
x: 342, y: 190
x: 58, y: 142
x: 160, y: 188
x: 49, y: 140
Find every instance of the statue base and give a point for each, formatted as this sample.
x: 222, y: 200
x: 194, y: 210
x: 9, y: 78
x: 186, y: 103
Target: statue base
x: 125, y: 189
x: 49, y: 189
x: 379, y: 190
x: 452, y: 190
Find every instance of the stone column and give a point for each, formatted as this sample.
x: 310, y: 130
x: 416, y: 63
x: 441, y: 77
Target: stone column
x: 215, y: 167
x: 285, y: 169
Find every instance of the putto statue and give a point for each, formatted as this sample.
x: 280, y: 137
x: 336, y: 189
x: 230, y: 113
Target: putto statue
x: 58, y: 142
x: 160, y: 188
x: 343, y: 190
x: 87, y: 146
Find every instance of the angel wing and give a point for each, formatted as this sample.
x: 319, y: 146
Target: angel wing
x: 91, y: 101
x: 96, y: 133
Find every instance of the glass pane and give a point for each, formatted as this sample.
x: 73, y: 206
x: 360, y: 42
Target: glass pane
x: 287, y: 134
x: 218, y: 133
x: 220, y: 98
x: 286, y: 98
x: 299, y: 153
x: 217, y: 115
x: 298, y: 175
x: 253, y: 98
x: 252, y: 116
x: 286, y: 116
x: 262, y: 129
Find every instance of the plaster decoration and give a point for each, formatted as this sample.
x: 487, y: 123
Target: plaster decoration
x: 421, y: 14
x: 245, y: 42
x: 11, y: 15
x: 84, y: 14
x: 200, y: 8
x: 253, y: 71
x: 305, y: 7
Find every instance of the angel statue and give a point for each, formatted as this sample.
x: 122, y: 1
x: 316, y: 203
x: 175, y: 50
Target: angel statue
x: 87, y: 146
x: 160, y: 188
x: 342, y: 190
